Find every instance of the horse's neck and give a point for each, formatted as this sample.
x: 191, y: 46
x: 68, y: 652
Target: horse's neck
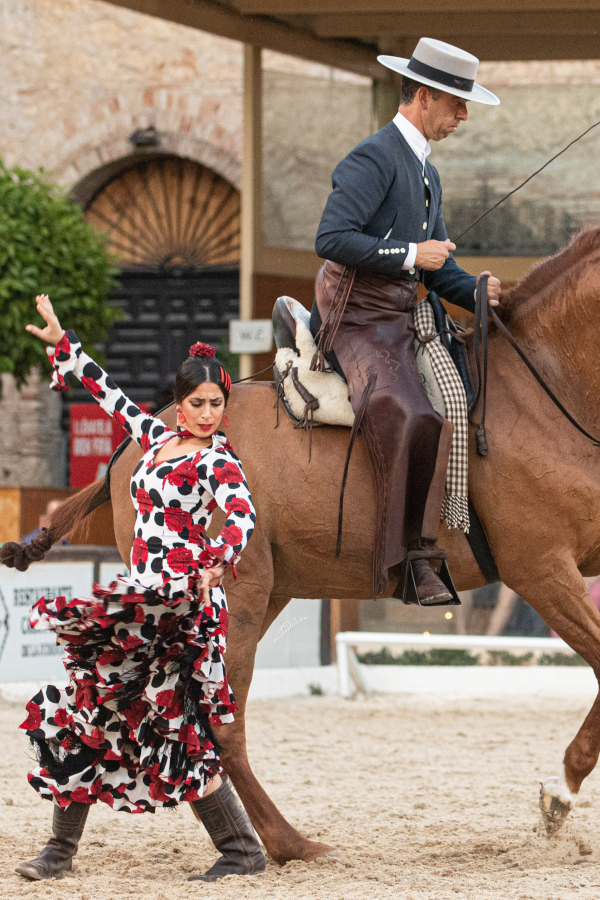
x: 559, y: 329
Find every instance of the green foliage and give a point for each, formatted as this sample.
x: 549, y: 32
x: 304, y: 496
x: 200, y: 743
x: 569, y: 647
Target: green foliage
x: 436, y: 656
x: 47, y: 247
x: 561, y: 659
x: 440, y: 656
x: 315, y: 689
x: 506, y: 658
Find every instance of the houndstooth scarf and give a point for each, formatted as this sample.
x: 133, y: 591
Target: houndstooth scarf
x: 455, y: 508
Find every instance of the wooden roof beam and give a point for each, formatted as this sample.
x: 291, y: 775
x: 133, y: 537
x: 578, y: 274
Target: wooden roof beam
x: 227, y: 22
x: 348, y: 7
x: 473, y: 23
x: 505, y: 48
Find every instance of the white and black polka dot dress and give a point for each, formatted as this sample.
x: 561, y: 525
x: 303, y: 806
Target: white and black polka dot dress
x: 144, y: 656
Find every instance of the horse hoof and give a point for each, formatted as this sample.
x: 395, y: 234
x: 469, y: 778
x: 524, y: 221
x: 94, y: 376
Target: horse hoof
x: 555, y: 808
x: 316, y: 850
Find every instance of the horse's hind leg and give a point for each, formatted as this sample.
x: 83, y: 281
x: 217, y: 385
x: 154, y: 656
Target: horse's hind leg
x: 564, y: 603
x: 250, y: 615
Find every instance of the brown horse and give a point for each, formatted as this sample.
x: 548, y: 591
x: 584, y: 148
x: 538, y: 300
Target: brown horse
x: 537, y: 494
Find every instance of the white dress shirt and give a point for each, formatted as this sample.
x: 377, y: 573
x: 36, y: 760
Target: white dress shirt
x: 420, y: 146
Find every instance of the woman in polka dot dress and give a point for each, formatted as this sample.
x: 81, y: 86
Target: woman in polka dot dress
x: 145, y: 655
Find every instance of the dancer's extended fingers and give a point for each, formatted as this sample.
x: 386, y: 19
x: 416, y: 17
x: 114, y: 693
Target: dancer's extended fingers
x: 37, y: 331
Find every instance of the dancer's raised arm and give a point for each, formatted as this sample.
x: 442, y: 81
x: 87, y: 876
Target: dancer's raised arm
x: 68, y: 358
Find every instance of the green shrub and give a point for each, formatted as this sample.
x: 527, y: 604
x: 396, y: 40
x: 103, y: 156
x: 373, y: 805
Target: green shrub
x: 47, y: 247
x: 561, y: 659
x: 506, y: 658
x: 436, y: 656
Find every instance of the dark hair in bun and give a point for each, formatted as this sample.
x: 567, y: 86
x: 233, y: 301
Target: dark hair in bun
x: 200, y: 367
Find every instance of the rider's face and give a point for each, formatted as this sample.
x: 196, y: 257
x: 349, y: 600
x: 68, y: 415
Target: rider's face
x: 442, y: 117
x: 203, y: 410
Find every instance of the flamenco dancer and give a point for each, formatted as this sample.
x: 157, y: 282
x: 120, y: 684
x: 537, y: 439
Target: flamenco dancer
x: 145, y: 655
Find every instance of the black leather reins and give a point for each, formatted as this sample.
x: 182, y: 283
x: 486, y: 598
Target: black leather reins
x: 480, y: 351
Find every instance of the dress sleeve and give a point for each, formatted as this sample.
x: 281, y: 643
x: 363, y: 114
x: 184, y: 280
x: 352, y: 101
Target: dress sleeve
x: 68, y: 358
x: 223, y: 477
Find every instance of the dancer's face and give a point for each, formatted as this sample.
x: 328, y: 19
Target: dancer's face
x: 202, y: 410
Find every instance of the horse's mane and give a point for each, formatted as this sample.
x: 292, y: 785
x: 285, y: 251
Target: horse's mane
x: 548, y: 271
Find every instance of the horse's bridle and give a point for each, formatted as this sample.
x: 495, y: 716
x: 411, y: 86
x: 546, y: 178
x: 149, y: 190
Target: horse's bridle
x: 480, y: 351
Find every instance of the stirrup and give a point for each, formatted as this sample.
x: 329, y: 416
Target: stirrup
x: 406, y: 589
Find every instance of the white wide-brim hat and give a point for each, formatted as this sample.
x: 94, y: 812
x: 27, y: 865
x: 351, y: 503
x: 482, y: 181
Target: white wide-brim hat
x: 442, y: 66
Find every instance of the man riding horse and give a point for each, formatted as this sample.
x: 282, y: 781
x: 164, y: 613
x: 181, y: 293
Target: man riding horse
x: 382, y: 232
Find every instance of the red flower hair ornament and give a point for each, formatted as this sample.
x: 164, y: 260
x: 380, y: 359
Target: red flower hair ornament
x: 202, y: 351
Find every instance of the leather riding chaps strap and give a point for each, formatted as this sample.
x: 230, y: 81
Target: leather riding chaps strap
x: 374, y: 342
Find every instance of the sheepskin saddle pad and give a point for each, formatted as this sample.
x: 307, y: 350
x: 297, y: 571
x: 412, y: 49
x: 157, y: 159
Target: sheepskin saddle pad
x: 321, y: 397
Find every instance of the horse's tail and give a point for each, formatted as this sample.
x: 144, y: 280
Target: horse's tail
x: 63, y: 520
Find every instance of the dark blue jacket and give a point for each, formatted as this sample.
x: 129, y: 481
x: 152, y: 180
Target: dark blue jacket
x: 380, y: 186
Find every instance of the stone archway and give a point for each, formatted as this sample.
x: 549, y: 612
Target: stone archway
x: 167, y: 211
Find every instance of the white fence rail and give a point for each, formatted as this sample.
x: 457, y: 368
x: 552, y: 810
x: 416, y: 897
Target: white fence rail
x: 348, y: 667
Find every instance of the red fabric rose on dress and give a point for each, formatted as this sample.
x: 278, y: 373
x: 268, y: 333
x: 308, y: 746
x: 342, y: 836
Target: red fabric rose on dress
x: 233, y: 535
x: 90, y: 385
x: 228, y: 474
x: 139, y: 552
x: 80, y: 795
x: 144, y: 501
x: 85, y: 695
x: 185, y: 472
x: 95, y: 739
x: 237, y: 504
x: 197, y: 535
x: 224, y: 621
x: 61, y: 718
x: 34, y: 719
x: 145, y: 443
x: 179, y: 559
x: 135, y: 713
x: 120, y: 419
x: 187, y: 735
x: 173, y: 703
x: 176, y: 518
x: 211, y: 505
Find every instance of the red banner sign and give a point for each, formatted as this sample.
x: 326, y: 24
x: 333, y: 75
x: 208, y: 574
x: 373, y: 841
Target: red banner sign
x: 94, y: 437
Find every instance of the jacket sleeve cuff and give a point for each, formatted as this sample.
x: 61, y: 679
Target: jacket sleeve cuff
x: 63, y: 359
x: 411, y: 256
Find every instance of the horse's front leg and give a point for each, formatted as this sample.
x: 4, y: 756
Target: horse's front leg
x: 564, y: 603
x: 250, y: 616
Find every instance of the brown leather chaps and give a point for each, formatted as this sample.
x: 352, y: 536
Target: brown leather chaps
x: 368, y: 323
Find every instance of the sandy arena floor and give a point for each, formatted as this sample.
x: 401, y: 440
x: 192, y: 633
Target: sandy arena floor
x: 427, y: 799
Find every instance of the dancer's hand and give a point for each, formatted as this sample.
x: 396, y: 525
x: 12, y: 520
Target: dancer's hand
x: 53, y: 330
x: 211, y: 578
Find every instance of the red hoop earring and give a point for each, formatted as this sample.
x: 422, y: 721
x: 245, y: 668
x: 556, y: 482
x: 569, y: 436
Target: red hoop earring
x: 181, y: 418
x: 225, y: 420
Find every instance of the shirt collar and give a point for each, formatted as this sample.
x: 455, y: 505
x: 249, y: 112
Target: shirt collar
x: 417, y: 142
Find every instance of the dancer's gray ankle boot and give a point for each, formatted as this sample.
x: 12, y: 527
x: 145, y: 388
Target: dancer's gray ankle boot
x: 232, y: 834
x: 57, y: 855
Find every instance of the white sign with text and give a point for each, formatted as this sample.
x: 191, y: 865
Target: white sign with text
x: 27, y: 655
x: 252, y: 336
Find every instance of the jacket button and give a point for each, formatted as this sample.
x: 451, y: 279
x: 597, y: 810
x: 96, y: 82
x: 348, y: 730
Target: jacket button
x: 424, y: 226
x: 402, y: 250
x: 427, y: 203
x: 386, y: 251
x: 412, y: 271
x: 381, y: 252
x: 426, y: 180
